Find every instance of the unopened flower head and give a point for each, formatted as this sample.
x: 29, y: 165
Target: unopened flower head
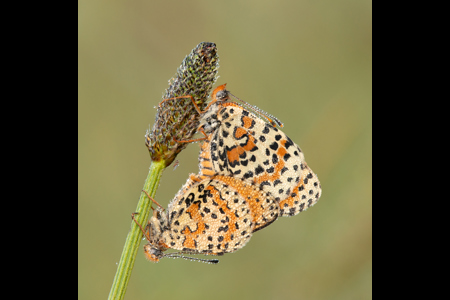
x: 177, y: 120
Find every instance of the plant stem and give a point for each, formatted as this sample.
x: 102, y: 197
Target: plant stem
x: 134, y: 237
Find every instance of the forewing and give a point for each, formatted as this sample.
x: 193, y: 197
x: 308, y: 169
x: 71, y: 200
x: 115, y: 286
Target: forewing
x: 209, y: 218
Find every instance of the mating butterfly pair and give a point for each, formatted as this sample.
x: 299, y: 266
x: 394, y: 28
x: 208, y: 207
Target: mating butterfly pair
x: 250, y: 174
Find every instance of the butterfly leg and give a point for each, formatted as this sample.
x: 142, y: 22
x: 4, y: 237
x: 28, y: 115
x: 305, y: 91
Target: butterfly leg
x: 195, y: 140
x: 188, y: 96
x: 153, y: 201
x: 144, y: 231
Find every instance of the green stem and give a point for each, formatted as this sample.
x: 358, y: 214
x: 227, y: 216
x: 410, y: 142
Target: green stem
x: 134, y: 237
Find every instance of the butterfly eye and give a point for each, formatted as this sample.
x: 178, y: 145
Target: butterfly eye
x: 222, y: 95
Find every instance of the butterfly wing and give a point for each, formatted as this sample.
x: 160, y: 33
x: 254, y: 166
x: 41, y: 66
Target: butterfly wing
x: 209, y: 218
x: 246, y: 147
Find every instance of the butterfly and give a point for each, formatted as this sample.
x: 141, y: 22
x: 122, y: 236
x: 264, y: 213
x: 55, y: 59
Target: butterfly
x: 240, y: 144
x: 214, y: 216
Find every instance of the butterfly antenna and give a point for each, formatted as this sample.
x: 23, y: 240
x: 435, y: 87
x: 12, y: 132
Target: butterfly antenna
x: 274, y: 121
x: 207, y: 261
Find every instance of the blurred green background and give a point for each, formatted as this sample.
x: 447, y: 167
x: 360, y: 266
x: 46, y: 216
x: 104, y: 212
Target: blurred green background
x: 309, y: 63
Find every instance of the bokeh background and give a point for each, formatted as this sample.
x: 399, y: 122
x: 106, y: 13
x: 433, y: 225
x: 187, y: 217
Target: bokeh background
x: 309, y: 63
